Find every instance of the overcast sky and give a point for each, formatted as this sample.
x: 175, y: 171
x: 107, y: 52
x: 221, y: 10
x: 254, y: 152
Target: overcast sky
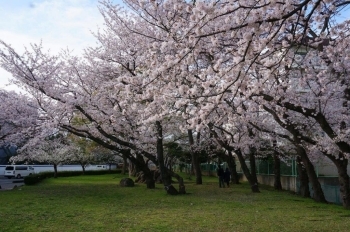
x: 57, y: 23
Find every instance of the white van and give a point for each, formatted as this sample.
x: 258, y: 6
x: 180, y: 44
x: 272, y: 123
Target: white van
x: 18, y: 171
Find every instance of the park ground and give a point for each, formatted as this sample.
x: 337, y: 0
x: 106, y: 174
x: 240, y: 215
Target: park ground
x: 98, y: 203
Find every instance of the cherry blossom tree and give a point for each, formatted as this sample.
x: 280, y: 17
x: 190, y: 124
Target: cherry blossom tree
x: 216, y: 62
x: 19, y: 118
x: 53, y: 149
x: 227, y: 67
x: 83, y: 158
x: 110, y: 119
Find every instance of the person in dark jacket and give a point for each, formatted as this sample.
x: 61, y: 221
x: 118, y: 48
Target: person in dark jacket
x: 227, y: 177
x: 220, y: 173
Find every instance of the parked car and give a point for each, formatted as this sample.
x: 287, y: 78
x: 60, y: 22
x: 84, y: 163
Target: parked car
x: 18, y: 171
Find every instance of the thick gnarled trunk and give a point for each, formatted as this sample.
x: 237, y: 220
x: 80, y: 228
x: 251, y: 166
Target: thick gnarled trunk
x: 138, y: 164
x: 344, y: 181
x: 150, y: 182
x: 318, y: 192
x: 251, y: 179
x: 277, y: 171
x: 166, y: 178
x: 253, y: 165
x: 233, y: 168
x: 276, y: 167
x: 125, y: 162
x: 182, y: 188
x: 304, y: 190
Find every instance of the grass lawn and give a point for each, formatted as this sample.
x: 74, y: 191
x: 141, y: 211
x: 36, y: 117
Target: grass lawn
x: 97, y: 203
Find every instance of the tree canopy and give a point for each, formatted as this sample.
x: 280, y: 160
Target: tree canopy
x: 239, y: 73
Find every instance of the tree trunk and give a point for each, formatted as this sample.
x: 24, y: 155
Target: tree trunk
x: 344, y: 182
x: 83, y: 167
x: 304, y: 190
x: 252, y: 181
x: 253, y: 165
x: 232, y: 166
x: 182, y: 188
x: 170, y: 164
x: 55, y: 170
x: 277, y: 171
x: 138, y: 164
x: 150, y: 182
x: 132, y: 169
x: 195, y: 160
x: 343, y: 177
x: 163, y: 172
x: 125, y: 162
x: 318, y: 192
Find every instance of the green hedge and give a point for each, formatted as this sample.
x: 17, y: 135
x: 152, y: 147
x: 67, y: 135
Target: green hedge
x: 36, y: 178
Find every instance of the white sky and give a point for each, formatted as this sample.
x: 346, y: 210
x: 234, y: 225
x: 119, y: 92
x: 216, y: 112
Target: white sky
x: 58, y: 24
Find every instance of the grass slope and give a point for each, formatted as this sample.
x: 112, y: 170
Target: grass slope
x: 97, y: 203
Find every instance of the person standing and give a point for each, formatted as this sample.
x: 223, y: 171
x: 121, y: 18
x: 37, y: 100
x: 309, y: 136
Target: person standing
x: 227, y: 177
x: 220, y: 173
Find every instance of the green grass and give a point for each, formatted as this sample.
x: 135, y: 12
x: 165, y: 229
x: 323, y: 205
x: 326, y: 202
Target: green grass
x: 97, y: 203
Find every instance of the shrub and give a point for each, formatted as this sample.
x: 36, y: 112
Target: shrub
x: 103, y: 172
x: 36, y: 178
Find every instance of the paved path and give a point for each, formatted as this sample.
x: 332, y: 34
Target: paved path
x: 7, y: 184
